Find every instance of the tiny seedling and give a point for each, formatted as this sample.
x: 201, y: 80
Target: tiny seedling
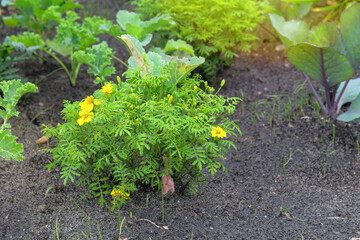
x: 147, y: 200
x: 326, y: 161
x: 284, y: 212
x: 121, y: 222
x: 286, y: 162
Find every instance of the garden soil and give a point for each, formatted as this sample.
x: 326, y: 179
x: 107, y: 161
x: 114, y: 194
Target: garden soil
x: 294, y: 178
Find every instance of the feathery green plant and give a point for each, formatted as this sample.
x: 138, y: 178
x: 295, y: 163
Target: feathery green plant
x: 158, y: 124
x: 217, y: 33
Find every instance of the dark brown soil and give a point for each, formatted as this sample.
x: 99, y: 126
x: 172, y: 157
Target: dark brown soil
x: 244, y: 205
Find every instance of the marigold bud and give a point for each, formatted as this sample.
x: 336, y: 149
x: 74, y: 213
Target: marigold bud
x: 196, y: 89
x: 222, y: 82
x: 133, y: 95
x: 170, y: 99
x: 144, y: 56
x: 118, y: 79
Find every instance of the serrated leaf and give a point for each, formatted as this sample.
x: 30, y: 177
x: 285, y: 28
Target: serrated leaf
x: 83, y: 57
x: 13, y: 90
x: 29, y: 39
x: 9, y: 148
x: 99, y: 59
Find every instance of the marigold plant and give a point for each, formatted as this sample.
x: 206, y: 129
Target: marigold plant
x: 145, y: 130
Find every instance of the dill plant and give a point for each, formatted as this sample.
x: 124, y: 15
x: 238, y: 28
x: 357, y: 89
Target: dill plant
x: 217, y: 29
x: 138, y: 131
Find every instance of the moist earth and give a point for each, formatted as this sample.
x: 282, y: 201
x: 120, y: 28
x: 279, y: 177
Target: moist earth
x: 290, y: 178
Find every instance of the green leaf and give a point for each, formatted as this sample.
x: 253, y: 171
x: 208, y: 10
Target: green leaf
x: 136, y: 50
x: 99, y: 59
x: 29, y: 39
x: 297, y: 10
x: 291, y: 32
x: 124, y: 17
x: 353, y: 113
x: 83, y: 57
x: 327, y: 35
x: 351, y: 92
x: 10, y: 21
x: 162, y: 22
x: 9, y: 148
x: 350, y: 29
x: 172, y: 45
x: 13, y: 90
x: 321, y: 63
x: 58, y: 47
x: 180, y: 68
x: 157, y: 63
x: 132, y: 24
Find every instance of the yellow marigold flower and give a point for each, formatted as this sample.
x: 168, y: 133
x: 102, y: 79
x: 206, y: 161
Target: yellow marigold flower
x: 107, y: 88
x: 119, y: 193
x: 85, y: 117
x: 218, y: 132
x: 87, y: 104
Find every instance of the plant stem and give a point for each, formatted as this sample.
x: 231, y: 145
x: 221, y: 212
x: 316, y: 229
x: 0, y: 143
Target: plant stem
x: 119, y: 60
x: 326, y: 85
x: 339, y: 100
x: 316, y: 94
x: 60, y: 62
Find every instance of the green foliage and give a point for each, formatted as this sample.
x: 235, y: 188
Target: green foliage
x: 292, y: 10
x: 9, y: 54
x: 329, y: 54
x: 152, y: 125
x: 38, y: 15
x: 221, y: 30
x: 334, y: 9
x: 132, y: 24
x: 70, y: 38
x: 12, y: 92
x: 151, y: 63
x: 98, y: 57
